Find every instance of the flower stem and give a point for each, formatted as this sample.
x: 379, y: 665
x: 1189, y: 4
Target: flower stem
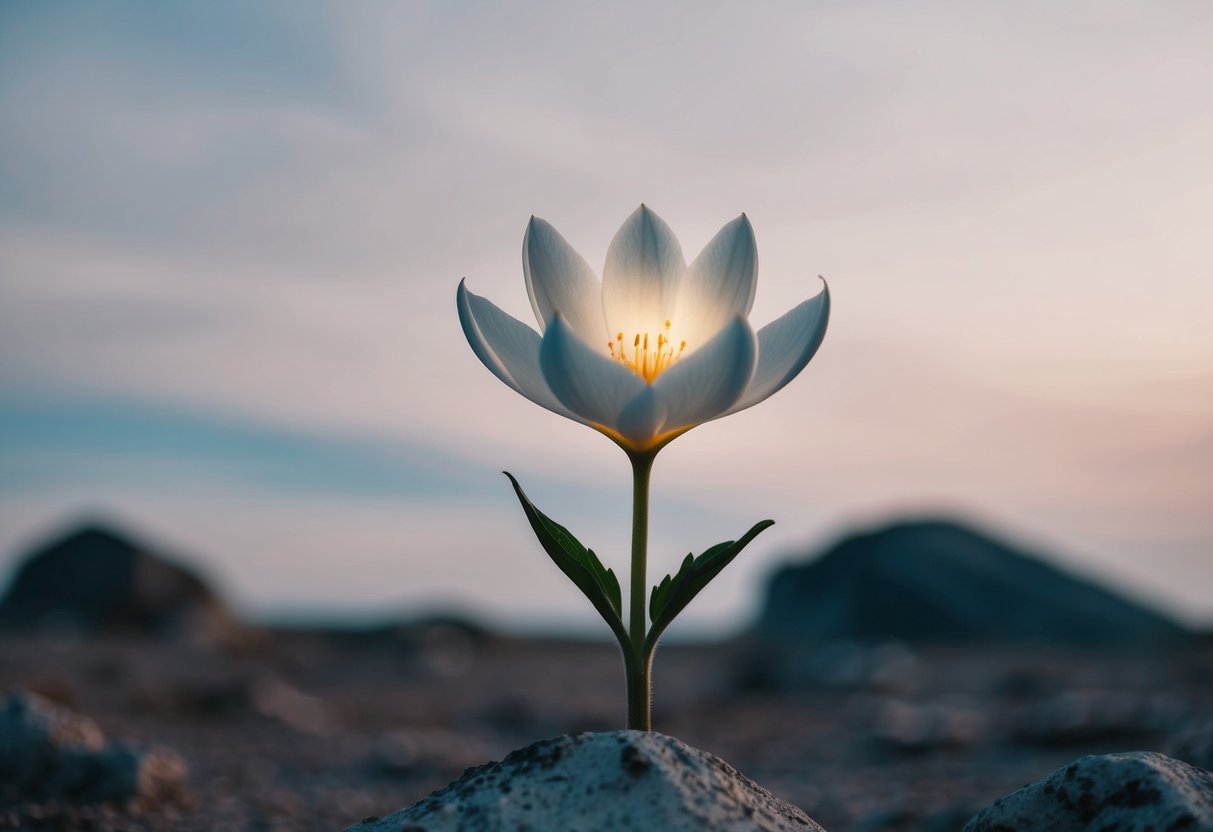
x: 639, y: 670
x: 638, y: 661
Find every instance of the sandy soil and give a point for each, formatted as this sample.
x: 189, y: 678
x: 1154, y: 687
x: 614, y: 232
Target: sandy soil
x: 315, y: 731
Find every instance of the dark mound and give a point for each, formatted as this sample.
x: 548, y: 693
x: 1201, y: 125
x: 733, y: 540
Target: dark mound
x: 95, y: 580
x: 938, y: 581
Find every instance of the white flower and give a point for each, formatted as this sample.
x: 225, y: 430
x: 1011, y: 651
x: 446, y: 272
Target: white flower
x: 654, y: 348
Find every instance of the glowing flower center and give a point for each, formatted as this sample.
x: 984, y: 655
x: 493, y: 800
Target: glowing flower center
x: 647, y: 359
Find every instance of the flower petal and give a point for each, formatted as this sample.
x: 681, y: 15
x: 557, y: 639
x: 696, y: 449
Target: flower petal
x: 720, y: 284
x: 558, y: 279
x: 585, y: 381
x: 642, y: 419
x: 706, y: 383
x: 644, y: 265
x: 508, y: 347
x: 785, y: 346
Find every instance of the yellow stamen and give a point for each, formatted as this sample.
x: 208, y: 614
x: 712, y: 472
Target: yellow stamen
x: 646, y: 363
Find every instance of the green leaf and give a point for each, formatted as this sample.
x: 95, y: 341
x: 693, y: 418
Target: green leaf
x: 672, y: 595
x: 580, y: 564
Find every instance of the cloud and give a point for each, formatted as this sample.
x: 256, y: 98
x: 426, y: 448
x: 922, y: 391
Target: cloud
x: 73, y: 441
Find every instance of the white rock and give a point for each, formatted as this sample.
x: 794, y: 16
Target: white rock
x: 1134, y: 792
x: 600, y: 782
x: 47, y: 751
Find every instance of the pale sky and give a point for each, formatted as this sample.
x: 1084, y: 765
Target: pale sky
x: 230, y: 236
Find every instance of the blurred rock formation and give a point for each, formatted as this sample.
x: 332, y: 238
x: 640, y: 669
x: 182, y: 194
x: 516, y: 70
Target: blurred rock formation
x: 97, y: 581
x: 938, y: 581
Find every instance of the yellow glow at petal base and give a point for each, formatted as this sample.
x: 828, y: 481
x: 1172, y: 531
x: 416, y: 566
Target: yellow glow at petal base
x: 643, y: 361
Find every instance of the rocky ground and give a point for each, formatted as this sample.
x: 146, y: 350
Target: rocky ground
x: 294, y: 730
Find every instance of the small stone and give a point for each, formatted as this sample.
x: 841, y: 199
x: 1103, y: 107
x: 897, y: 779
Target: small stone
x: 36, y: 736
x: 1133, y: 792
x: 47, y: 751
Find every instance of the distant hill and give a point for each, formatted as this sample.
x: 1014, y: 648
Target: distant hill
x: 97, y: 580
x: 938, y: 581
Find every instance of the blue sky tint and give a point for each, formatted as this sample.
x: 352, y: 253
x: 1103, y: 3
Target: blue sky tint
x: 49, y: 443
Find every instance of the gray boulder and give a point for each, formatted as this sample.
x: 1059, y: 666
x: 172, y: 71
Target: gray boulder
x: 938, y: 581
x: 600, y: 782
x: 95, y: 580
x: 49, y: 752
x: 1134, y: 792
